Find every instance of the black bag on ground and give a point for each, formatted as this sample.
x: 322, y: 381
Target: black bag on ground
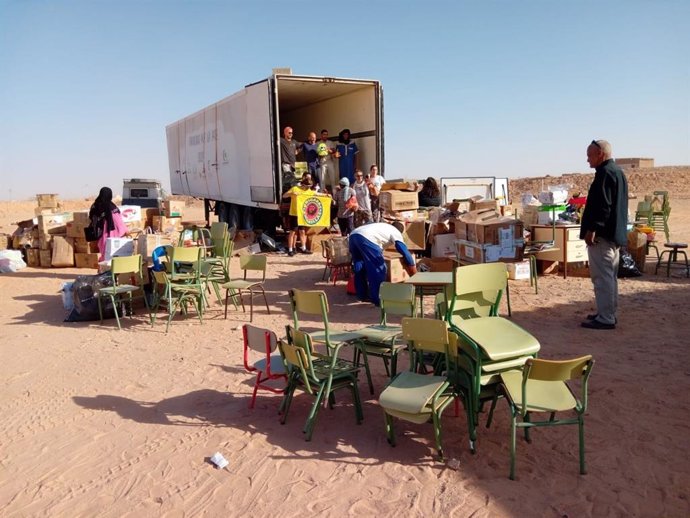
x: 84, y: 290
x: 627, y: 266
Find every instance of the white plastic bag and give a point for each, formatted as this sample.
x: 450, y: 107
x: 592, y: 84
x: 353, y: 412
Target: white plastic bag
x: 11, y: 261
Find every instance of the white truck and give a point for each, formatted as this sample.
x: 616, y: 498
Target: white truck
x: 229, y: 152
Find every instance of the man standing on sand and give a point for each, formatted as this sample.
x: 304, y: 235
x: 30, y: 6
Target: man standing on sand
x: 604, y: 229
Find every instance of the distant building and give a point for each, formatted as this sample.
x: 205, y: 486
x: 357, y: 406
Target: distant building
x: 634, y: 163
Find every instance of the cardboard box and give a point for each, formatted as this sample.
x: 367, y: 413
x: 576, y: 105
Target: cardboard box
x: 86, y: 260
x: 5, y: 240
x: 529, y: 215
x: 130, y: 213
x: 436, y: 264
x: 75, y: 229
x: 471, y: 252
x: 443, y: 245
x: 53, y: 223
x: 33, y: 257
x: 147, y: 215
x: 398, y: 200
x: 315, y: 241
x: 45, y: 241
x: 415, y: 234
x: 518, y: 271
x: 507, y: 210
x: 483, y: 205
x: 63, y: 252
x: 48, y: 200
x: 118, y: 247
x: 147, y: 243
x: 134, y: 226
x: 165, y: 224
x: 243, y: 240
x: 173, y: 208
x: 81, y: 246
x: 81, y: 216
x: 45, y: 258
x: 395, y: 271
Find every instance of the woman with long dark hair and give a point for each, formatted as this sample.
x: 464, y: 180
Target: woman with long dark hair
x: 430, y: 195
x: 105, y: 214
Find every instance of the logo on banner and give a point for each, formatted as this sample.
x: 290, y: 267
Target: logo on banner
x: 312, y: 210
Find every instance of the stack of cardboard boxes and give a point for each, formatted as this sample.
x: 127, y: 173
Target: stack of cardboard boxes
x: 55, y: 238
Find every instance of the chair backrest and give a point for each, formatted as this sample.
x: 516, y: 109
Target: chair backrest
x: 261, y: 340
x: 558, y: 370
x: 477, y: 290
x: 190, y: 256
x: 219, y: 230
x: 396, y: 299
x: 310, y: 302
x: 256, y: 263
x: 426, y: 335
x: 337, y: 250
x: 296, y: 351
x: 126, y: 264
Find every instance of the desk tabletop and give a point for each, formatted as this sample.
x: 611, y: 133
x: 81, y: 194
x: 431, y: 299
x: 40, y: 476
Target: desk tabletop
x: 430, y: 279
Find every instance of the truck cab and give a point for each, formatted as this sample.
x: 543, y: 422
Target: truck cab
x: 146, y: 193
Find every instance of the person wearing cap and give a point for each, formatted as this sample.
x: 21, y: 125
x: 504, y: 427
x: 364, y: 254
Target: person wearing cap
x: 304, y: 187
x: 366, y: 247
x: 344, y: 214
x: 346, y: 152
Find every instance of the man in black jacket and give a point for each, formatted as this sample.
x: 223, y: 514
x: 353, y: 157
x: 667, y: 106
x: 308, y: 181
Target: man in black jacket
x: 604, y: 229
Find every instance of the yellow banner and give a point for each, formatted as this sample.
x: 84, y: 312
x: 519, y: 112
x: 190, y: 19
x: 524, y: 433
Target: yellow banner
x: 313, y: 211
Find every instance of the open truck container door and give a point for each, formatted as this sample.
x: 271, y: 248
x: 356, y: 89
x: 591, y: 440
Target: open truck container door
x: 229, y: 153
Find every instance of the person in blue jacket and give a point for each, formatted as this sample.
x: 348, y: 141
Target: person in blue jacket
x: 346, y: 152
x: 366, y: 247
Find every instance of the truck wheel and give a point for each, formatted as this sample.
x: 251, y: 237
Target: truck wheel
x: 247, y: 218
x: 229, y: 214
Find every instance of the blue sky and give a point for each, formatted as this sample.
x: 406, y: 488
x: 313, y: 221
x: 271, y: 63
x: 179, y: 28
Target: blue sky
x: 498, y: 88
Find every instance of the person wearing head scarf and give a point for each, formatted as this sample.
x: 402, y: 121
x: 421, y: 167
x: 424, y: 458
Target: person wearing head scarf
x: 107, y: 216
x: 346, y: 152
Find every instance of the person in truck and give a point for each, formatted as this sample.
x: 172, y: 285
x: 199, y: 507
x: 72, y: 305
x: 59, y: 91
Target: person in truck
x: 346, y: 152
x: 288, y: 153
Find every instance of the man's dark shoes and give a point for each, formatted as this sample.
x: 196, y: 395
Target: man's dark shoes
x: 594, y: 316
x: 305, y: 251
x: 595, y: 324
x: 291, y: 253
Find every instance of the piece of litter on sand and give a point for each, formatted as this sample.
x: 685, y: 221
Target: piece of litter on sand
x: 453, y: 464
x: 219, y: 460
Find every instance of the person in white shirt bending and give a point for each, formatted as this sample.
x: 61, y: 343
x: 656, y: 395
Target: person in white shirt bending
x: 366, y: 247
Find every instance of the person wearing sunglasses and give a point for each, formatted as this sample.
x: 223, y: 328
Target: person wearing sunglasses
x: 604, y: 229
x: 363, y: 213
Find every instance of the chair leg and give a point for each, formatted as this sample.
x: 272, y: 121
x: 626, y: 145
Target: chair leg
x: 359, y: 414
x: 527, y: 420
x: 581, y: 426
x: 491, y: 410
x: 117, y: 318
x: 366, y: 367
x: 256, y: 387
x: 390, y: 433
x: 100, y: 309
x: 513, y: 441
x: 314, y: 414
x: 437, y: 434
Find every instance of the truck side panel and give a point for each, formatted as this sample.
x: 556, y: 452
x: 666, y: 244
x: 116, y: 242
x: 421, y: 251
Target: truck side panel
x: 194, y: 144
x: 210, y: 152
x: 233, y: 165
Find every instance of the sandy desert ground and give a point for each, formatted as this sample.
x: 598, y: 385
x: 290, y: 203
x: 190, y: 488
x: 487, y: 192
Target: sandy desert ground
x: 101, y: 422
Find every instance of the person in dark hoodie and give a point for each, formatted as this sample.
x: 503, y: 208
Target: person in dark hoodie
x: 105, y: 214
x: 604, y: 229
x: 346, y: 152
